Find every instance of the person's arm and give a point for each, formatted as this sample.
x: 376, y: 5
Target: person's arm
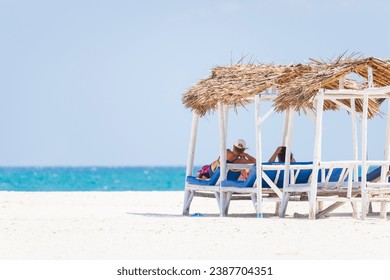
x: 273, y: 157
x: 241, y: 158
x: 246, y: 158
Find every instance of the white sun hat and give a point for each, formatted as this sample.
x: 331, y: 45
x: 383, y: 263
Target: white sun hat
x: 240, y: 143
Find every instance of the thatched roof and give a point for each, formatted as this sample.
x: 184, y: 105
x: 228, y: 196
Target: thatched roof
x: 299, y: 93
x: 297, y: 84
x: 233, y: 84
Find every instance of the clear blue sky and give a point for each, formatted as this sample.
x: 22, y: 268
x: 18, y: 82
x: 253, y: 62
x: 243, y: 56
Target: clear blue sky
x: 100, y: 82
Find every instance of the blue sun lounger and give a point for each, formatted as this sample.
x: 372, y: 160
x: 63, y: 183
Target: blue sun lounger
x: 275, y: 178
x: 204, y: 188
x: 272, y: 183
x: 372, y: 178
x: 273, y: 175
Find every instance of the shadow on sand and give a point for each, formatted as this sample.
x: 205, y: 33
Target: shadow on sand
x: 201, y: 215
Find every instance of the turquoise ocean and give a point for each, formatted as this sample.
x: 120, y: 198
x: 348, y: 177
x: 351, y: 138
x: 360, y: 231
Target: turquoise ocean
x: 92, y: 178
x: 146, y: 178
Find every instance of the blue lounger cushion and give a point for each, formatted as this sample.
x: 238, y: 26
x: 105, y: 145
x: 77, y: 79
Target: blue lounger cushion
x: 242, y: 184
x: 303, y: 176
x: 334, y: 177
x: 373, y: 174
x: 231, y: 175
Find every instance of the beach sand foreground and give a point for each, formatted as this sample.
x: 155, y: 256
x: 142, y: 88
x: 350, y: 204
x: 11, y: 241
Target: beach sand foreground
x: 149, y: 225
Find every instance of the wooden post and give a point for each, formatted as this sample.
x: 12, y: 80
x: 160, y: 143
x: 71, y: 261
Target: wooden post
x: 226, y: 118
x: 365, y: 199
x: 288, y: 145
x: 290, y: 127
x: 285, y: 128
x: 192, y: 146
x: 355, y: 153
x: 316, y: 155
x: 354, y: 140
x: 370, y: 77
x: 364, y: 194
x: 190, y: 162
x: 283, y: 143
x: 387, y: 143
x: 259, y: 191
x: 385, y: 168
x: 222, y: 153
x: 286, y: 179
x: 364, y: 158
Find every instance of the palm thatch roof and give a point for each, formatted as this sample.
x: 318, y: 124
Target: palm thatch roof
x: 299, y: 93
x: 234, y: 84
x: 297, y: 84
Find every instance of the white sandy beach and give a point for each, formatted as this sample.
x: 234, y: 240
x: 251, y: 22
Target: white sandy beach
x: 149, y: 225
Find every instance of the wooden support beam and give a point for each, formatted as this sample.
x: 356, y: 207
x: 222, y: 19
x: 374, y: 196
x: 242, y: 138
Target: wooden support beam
x: 329, y: 209
x: 364, y: 158
x: 288, y: 141
x: 226, y: 120
x: 355, y: 148
x: 188, y: 195
x: 192, y: 146
x: 222, y: 153
x: 370, y: 77
x: 259, y: 186
x: 385, y: 167
x: 290, y: 126
x: 285, y: 128
x: 317, y: 155
x: 266, y: 116
x: 352, y: 93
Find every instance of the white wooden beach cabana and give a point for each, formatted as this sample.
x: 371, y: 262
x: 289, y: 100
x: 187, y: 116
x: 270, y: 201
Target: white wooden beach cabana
x: 310, y: 88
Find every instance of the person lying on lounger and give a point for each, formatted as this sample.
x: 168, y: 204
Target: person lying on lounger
x: 238, y: 155
x: 280, y: 153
